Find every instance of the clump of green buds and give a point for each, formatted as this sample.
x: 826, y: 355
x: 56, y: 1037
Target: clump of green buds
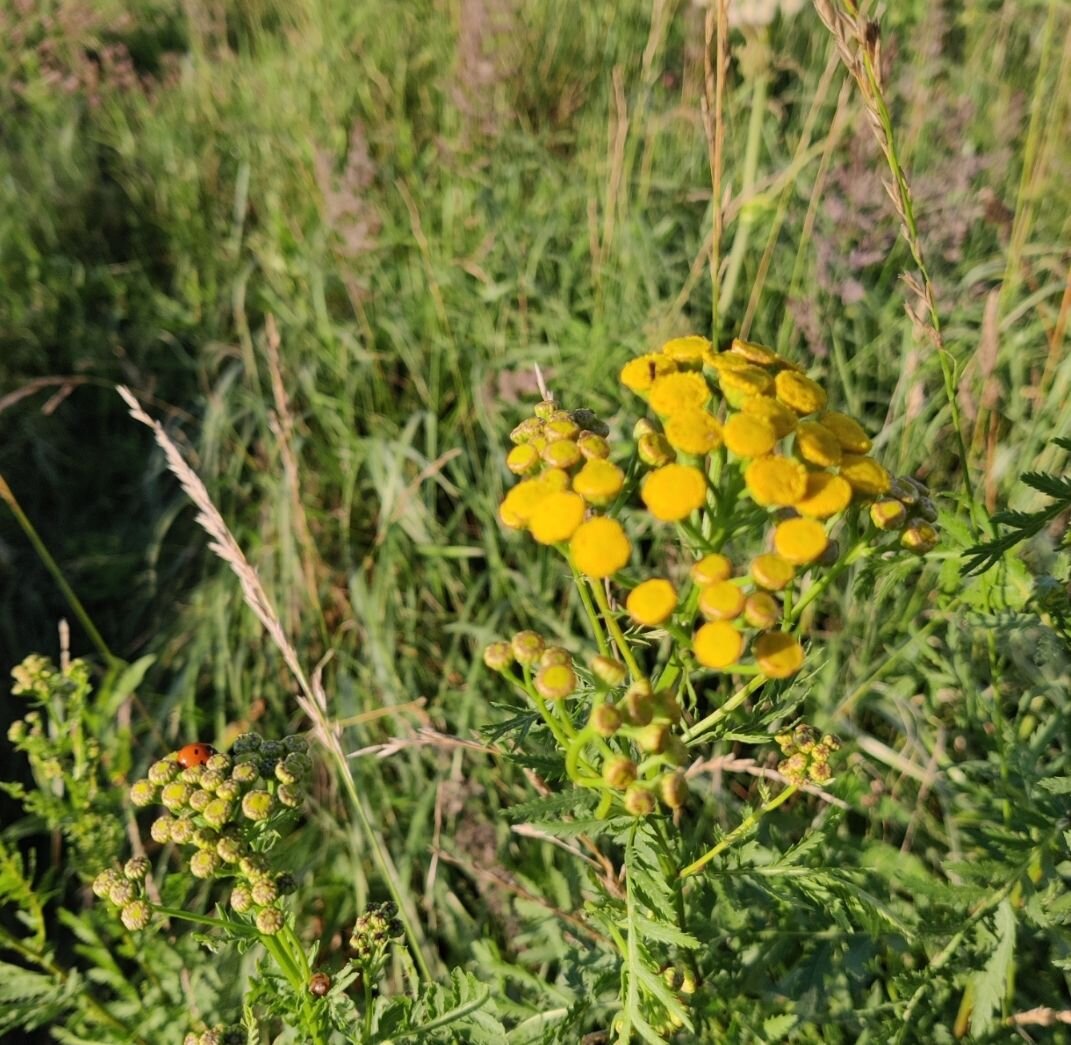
x: 373, y: 931
x: 908, y: 508
x: 218, y: 1035
x: 227, y: 812
x: 806, y: 755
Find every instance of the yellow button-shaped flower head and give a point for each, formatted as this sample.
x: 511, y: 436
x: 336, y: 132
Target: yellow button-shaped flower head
x: 748, y: 436
x: 761, y: 610
x: 781, y: 418
x: 555, y: 681
x: 640, y: 373
x: 738, y: 383
x: 672, y: 393
x: 868, y: 478
x: 778, y: 654
x: 651, y: 602
x: 673, y: 492
x: 816, y: 444
x: 772, y: 571
x: 710, y: 569
x: 721, y: 600
x: 555, y: 480
x: 848, y: 431
x: 593, y: 446
x: 561, y: 428
x: 717, y: 644
x: 599, y: 481
x: 800, y: 392
x: 776, y: 482
x: 800, y: 540
x: 522, y: 459
x: 825, y: 495
x: 562, y: 453
x: 693, y: 431
x: 687, y: 351
x: 755, y: 353
x: 556, y: 517
x: 599, y: 547
x: 517, y: 506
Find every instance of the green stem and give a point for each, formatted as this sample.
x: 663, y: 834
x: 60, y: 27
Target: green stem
x: 57, y: 575
x: 858, y: 551
x: 615, y: 630
x: 706, y: 724
x: 206, y: 919
x: 739, y: 831
x: 589, y: 609
x: 277, y: 947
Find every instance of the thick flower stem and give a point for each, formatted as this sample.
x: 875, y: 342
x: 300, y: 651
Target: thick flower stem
x: 615, y: 630
x: 589, y: 609
x: 704, y: 725
x: 739, y: 831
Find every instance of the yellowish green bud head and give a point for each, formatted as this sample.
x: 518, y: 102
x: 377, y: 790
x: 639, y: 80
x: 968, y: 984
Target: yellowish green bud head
x: 204, y: 863
x: 605, y: 720
x: 241, y: 899
x: 523, y: 459
x: 761, y: 610
x: 122, y: 891
x: 888, y: 514
x: 651, y: 739
x: 527, y: 647
x: 619, y: 772
x: 805, y: 737
x: 545, y: 410
x: 671, y: 977
x: 175, y: 795
x: 794, y: 768
x: 135, y: 915
x: 554, y: 655
x: 182, y: 829
x: 199, y: 800
x: 639, y: 703
x: 644, y: 426
x: 160, y: 829
x: 919, y: 537
x: 264, y: 892
x: 609, y: 671
x: 593, y: 447
x: 673, y: 790
x: 257, y: 805
x: 142, y: 793
x: 270, y: 921
x: 639, y: 801
x: 562, y: 428
x: 290, y: 795
x: 654, y: 450
x: 819, y: 772
x: 562, y: 453
x: 555, y: 682
x: 163, y: 772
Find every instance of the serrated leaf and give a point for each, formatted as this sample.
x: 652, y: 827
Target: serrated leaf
x: 572, y: 828
x: 666, y: 933
x: 776, y: 1027
x: 1057, y: 785
x: 564, y: 802
x: 991, y: 983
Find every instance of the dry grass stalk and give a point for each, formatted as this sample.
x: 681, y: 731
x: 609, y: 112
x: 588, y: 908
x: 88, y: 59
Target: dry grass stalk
x: 715, y: 67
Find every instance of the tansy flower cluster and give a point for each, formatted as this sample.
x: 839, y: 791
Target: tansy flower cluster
x: 227, y: 813
x: 218, y: 1035
x: 806, y: 755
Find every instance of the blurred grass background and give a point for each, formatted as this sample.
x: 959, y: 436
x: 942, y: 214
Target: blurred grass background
x: 427, y: 199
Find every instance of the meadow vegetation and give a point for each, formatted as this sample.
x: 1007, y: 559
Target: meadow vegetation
x: 326, y: 246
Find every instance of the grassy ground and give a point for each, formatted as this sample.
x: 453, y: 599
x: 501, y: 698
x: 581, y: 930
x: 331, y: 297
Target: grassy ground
x: 424, y: 203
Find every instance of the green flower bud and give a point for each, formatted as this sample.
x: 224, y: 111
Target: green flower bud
x: 241, y: 899
x: 218, y: 812
x: 286, y: 883
x: 142, y: 793
x: 211, y: 779
x: 673, y: 790
x: 160, y: 831
x: 247, y: 742
x: 230, y: 850
x: 204, y: 863
x: 270, y: 921
x: 919, y: 537
x: 820, y: 772
x: 805, y: 737
x: 927, y: 509
x: 295, y: 744
x: 135, y: 915
x: 284, y: 775
x: 676, y: 750
x: 163, y: 772
x: 545, y: 410
x: 218, y: 763
x: 230, y: 790
x: 672, y: 977
x: 264, y: 892
x: 888, y: 514
x: 16, y: 732
x: 667, y: 706
x: 605, y: 720
x: 200, y: 800
x: 527, y: 647
x: 652, y: 738
x: 639, y: 703
x: 272, y: 750
x: 609, y: 671
x: 122, y: 891
x: 555, y: 682
x: 529, y: 429
x: 253, y: 867
x: 794, y: 768
x: 192, y: 1038
x: 498, y: 656
x: 644, y: 426
x: 257, y: 805
x: 205, y: 838
x: 245, y: 773
x: 103, y: 883
x: 136, y: 868
x: 175, y: 795
x: 554, y: 655
x: 904, y: 492
x: 688, y: 983
x: 192, y: 774
x: 654, y: 450
x: 593, y: 446
x: 182, y: 829
x: 639, y: 801
x: 290, y: 796
x: 619, y: 772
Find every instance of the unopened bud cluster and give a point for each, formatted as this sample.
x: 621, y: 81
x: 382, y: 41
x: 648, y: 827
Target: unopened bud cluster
x: 124, y: 889
x: 218, y: 1035
x: 226, y: 814
x: 806, y: 755
x: 909, y: 510
x: 373, y: 930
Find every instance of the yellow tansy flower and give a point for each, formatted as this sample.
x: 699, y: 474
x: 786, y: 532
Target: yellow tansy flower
x: 653, y: 449
x: 800, y: 392
x: 599, y: 548
x: 556, y: 517
x: 761, y: 610
x: 717, y: 644
x: 740, y: 382
x: 687, y: 351
x: 673, y: 492
x: 722, y: 361
x: 748, y: 436
x: 599, y: 481
x: 825, y: 495
x: 772, y: 571
x: 776, y: 481
x: 693, y: 432
x: 781, y: 418
x: 555, y: 681
x: 672, y: 393
x: 816, y: 444
x: 867, y: 477
x: 639, y: 374
x: 555, y: 479
x: 848, y: 431
x: 800, y: 540
x: 593, y: 446
x: 522, y: 459
x: 778, y: 654
x: 721, y: 600
x: 651, y: 602
x: 753, y: 352
x: 517, y: 506
x: 711, y: 568
x: 562, y: 453
x: 561, y: 428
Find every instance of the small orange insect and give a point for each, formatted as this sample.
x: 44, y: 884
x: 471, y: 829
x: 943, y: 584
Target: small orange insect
x: 194, y: 755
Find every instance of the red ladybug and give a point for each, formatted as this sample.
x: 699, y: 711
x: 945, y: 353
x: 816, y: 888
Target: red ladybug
x: 194, y: 755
